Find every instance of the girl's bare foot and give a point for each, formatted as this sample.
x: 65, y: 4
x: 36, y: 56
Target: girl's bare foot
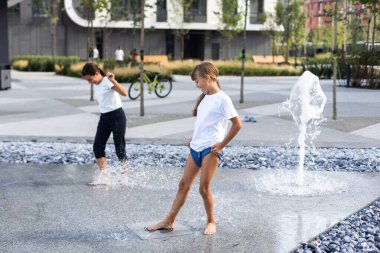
x: 124, y: 168
x: 210, y: 229
x: 163, y: 225
x: 100, y: 178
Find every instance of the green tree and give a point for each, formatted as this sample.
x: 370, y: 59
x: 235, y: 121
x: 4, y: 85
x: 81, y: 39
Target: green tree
x: 372, y: 10
x: 229, y: 19
x: 298, y: 26
x: 292, y: 19
x: 272, y: 29
x: 184, y: 6
x: 51, y: 10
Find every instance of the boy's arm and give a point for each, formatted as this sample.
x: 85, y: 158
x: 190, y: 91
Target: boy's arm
x: 235, y: 128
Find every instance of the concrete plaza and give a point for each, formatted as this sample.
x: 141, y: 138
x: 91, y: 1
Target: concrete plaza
x: 49, y: 208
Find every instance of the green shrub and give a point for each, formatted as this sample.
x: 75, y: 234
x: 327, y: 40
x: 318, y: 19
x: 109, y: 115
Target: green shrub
x: 44, y: 62
x: 319, y: 67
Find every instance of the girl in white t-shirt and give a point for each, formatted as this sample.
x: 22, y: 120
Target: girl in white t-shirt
x: 213, y: 111
x: 112, y: 117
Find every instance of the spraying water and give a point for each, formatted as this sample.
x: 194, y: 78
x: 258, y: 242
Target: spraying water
x: 305, y: 104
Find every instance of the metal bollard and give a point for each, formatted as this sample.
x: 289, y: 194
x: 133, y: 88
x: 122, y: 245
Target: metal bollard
x: 348, y: 74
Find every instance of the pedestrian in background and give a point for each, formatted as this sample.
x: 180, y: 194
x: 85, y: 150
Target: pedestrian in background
x: 119, y: 55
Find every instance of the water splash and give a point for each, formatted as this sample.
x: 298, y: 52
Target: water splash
x: 116, y: 176
x: 285, y: 182
x: 306, y: 103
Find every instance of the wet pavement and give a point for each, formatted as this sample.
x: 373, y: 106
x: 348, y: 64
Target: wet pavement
x: 50, y: 208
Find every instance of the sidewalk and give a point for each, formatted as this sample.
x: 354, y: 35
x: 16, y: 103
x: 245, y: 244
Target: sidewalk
x: 48, y: 107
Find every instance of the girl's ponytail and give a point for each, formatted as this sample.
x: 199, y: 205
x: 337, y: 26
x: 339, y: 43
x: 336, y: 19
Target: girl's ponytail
x: 199, y: 100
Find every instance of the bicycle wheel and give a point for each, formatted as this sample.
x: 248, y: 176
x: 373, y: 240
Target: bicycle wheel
x: 163, y: 88
x: 134, y: 90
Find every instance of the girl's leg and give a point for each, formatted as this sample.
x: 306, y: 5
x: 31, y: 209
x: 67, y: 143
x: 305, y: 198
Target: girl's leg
x: 102, y: 164
x: 191, y: 171
x: 102, y: 134
x: 209, y: 165
x: 119, y: 124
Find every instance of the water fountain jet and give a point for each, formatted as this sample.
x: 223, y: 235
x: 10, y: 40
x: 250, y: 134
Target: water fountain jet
x: 305, y: 104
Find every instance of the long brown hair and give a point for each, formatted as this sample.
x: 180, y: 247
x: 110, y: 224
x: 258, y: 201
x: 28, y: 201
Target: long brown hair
x: 90, y: 69
x: 204, y: 69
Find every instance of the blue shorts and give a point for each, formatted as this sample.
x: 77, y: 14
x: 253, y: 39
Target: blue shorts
x: 198, y: 156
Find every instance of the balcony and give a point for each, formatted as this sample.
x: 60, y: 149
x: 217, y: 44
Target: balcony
x: 195, y: 15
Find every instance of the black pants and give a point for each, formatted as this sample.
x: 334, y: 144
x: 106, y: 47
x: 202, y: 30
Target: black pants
x: 116, y: 123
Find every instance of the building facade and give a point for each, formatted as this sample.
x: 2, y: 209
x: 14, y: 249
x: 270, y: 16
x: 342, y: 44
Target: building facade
x: 170, y: 29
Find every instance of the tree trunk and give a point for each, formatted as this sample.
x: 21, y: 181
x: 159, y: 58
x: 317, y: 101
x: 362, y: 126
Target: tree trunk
x: 182, y: 37
x: 372, y: 77
x: 105, y: 42
x: 90, y: 32
x: 53, y: 26
x: 243, y: 54
x: 273, y: 47
x: 53, y: 39
x: 142, y: 59
x: 368, y: 32
x: 334, y: 62
x: 374, y: 28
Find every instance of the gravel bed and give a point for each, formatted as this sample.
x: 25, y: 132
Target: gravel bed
x: 330, y: 159
x: 358, y: 233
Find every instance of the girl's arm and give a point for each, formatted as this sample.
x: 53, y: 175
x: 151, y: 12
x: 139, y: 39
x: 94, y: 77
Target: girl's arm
x: 116, y: 86
x: 235, y: 128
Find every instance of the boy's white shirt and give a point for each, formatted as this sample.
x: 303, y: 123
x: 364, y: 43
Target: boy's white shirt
x: 108, y: 99
x: 211, y: 125
x: 119, y: 55
x: 95, y: 53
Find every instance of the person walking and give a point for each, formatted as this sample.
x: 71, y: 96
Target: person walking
x: 119, y: 55
x: 112, y: 118
x: 213, y: 111
x: 95, y: 53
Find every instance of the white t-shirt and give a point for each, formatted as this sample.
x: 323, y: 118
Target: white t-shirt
x: 211, y: 124
x: 119, y: 55
x: 95, y: 53
x: 108, y: 99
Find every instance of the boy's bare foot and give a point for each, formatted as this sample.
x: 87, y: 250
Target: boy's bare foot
x: 210, y: 229
x: 163, y: 225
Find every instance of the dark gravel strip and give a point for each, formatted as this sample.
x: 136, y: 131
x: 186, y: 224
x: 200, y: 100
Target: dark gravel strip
x: 358, y: 233
x: 319, y: 159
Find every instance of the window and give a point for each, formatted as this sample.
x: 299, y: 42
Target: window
x: 196, y: 11
x: 162, y: 14
x: 40, y: 8
x: 257, y: 8
x: 126, y: 10
x: 14, y: 11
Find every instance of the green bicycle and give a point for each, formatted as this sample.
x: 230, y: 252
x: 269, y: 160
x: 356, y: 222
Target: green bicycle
x: 162, y: 87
